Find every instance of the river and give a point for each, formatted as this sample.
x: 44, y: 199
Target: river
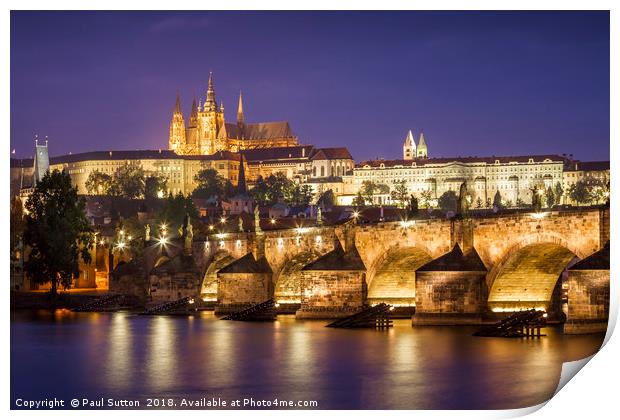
x: 124, y: 356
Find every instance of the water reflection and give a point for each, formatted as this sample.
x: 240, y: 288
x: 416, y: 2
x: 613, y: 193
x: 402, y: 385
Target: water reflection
x: 67, y: 354
x: 119, y: 357
x: 162, y: 356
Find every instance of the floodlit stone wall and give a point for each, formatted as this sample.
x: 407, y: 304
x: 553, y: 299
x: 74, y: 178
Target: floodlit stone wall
x: 457, y: 297
x: 172, y: 286
x: 588, y: 301
x: 332, y: 294
x: 238, y: 290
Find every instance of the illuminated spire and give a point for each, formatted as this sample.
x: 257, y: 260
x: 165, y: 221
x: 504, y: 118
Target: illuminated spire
x: 240, y: 110
x: 210, y: 104
x: 177, y: 106
x: 422, y: 150
x: 409, y: 140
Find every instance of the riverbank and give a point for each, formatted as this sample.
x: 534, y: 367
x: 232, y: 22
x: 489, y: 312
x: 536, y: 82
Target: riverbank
x: 43, y: 299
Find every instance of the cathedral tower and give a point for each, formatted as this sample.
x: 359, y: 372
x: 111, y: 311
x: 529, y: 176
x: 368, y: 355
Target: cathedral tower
x: 209, y: 122
x: 422, y: 151
x: 409, y: 148
x: 176, y: 140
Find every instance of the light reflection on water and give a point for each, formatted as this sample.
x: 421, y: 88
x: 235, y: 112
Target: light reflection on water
x: 130, y: 356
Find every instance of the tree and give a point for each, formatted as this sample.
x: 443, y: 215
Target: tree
x: 559, y: 193
x: 211, y: 184
x: 57, y: 231
x: 508, y: 203
x: 277, y: 187
x: 550, y: 197
x: 497, y: 200
x: 98, y: 183
x: 359, y: 200
x: 155, y: 186
x: 128, y: 181
x: 327, y: 199
x: 412, y: 206
x: 174, y: 210
x: 479, y: 203
x: 369, y: 189
x: 448, y: 201
x: 587, y: 191
x: 427, y: 197
x: 400, y: 193
x: 298, y: 195
x: 18, y: 223
x: 520, y: 203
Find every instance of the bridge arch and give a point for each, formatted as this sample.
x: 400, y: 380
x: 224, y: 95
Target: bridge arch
x: 528, y: 275
x: 208, y: 288
x: 288, y: 281
x: 393, y: 279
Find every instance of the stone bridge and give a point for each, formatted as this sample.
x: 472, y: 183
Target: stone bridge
x: 451, y: 270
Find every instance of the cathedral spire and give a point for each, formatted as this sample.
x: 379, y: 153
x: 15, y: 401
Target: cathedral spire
x: 409, y: 147
x: 240, y: 110
x: 193, y: 117
x: 210, y: 104
x: 422, y: 148
x: 241, y: 185
x: 177, y: 105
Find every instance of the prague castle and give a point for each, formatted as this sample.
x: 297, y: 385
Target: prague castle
x: 207, y: 131
x: 208, y: 141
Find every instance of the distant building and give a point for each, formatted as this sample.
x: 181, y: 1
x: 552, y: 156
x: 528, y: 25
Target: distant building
x: 207, y: 131
x: 512, y: 176
x: 296, y: 162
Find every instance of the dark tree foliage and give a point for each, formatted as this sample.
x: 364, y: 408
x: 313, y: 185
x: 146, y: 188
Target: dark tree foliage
x: 359, y: 200
x: 267, y: 192
x: 57, y: 232
x: 174, y: 210
x: 153, y: 184
x: 18, y: 223
x: 327, y: 199
x: 369, y: 189
x: 448, y: 201
x: 128, y: 181
x: 298, y: 195
x: 98, y: 183
x: 497, y: 200
x: 400, y: 193
x: 412, y: 206
x: 211, y: 185
x: 550, y: 197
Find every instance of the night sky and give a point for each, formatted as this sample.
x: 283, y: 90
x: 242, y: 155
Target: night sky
x: 477, y: 83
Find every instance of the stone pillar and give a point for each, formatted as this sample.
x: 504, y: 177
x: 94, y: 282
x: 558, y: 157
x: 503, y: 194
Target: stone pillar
x: 349, y: 237
x: 462, y: 233
x: 258, y: 248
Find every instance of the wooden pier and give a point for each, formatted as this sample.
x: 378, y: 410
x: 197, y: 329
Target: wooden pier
x: 518, y: 324
x: 377, y: 317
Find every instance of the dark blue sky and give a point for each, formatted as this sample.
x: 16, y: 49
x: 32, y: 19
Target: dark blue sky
x: 477, y: 83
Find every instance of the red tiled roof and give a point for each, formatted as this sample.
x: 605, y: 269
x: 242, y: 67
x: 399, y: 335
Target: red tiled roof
x: 331, y: 153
